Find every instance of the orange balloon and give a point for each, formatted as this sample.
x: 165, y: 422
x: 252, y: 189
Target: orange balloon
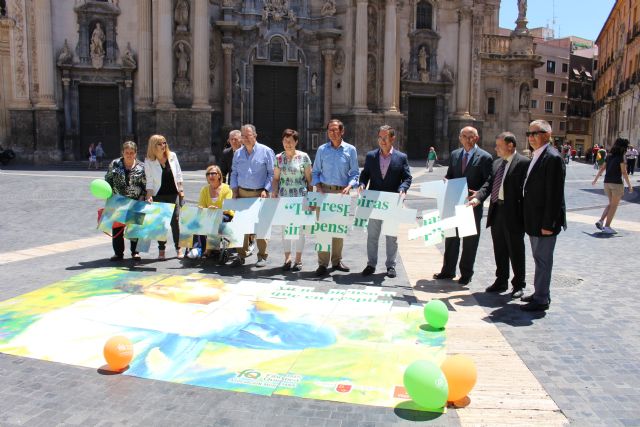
x: 118, y: 352
x: 461, y: 375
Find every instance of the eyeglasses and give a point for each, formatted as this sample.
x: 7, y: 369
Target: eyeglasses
x: 211, y: 173
x: 534, y: 132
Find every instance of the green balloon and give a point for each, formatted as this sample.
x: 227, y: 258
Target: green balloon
x: 426, y: 384
x: 100, y: 189
x: 436, y: 313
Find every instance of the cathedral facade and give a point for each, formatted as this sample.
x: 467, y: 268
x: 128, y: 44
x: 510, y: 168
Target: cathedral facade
x: 77, y: 72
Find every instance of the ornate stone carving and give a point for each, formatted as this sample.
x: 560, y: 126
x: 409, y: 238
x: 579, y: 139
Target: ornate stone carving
x: 33, y: 55
x: 338, y: 62
x: 97, y: 47
x: 423, y: 64
x: 314, y: 83
x: 65, y: 56
x: 404, y: 72
x: 525, y: 94
x: 183, y: 59
x: 228, y: 3
x: 372, y: 20
x: 328, y: 8
x: 522, y: 9
x: 128, y: 59
x: 372, y: 67
x: 236, y: 78
x: 446, y: 75
x: 181, y: 15
x: 277, y: 10
x: 21, y: 69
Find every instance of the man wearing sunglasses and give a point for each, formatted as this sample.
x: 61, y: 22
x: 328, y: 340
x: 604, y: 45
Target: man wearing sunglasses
x: 544, y: 210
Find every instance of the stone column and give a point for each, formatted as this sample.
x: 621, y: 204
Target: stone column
x: 68, y: 131
x: 44, y: 51
x: 145, y: 94
x: 390, y: 58
x: 165, y: 55
x: 463, y: 82
x: 328, y: 82
x: 360, y: 77
x: 201, y: 55
x: 227, y: 49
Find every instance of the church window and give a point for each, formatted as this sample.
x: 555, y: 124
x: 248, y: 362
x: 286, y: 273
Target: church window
x: 424, y: 15
x: 276, y: 51
x: 491, y: 105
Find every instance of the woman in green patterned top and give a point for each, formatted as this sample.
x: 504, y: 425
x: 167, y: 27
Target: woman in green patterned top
x: 291, y: 178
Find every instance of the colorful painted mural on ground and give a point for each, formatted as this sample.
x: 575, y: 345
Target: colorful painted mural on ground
x: 347, y: 345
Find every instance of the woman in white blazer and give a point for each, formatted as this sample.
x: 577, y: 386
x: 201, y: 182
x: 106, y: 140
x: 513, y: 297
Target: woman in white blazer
x: 164, y: 184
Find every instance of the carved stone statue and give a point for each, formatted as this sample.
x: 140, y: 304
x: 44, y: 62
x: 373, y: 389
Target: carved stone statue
x: 423, y: 64
x: 181, y: 15
x: 127, y: 59
x: 65, y: 56
x: 277, y: 10
x: 183, y: 61
x: 328, y: 8
x: 522, y: 9
x: 524, y: 96
x: 447, y: 74
x: 236, y: 78
x: 338, y: 62
x: 314, y: 83
x: 97, y: 46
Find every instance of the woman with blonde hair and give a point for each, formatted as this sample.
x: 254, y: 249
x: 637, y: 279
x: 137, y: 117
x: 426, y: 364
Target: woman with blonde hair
x: 164, y: 184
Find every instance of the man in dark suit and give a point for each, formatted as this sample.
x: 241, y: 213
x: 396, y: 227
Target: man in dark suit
x: 505, y: 213
x: 226, y: 159
x: 473, y: 163
x: 544, y: 210
x: 385, y: 169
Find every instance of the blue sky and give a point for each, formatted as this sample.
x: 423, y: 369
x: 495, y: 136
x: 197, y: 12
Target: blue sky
x: 582, y: 18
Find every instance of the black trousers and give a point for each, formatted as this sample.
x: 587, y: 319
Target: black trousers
x: 175, y: 226
x: 508, y: 246
x: 118, y: 242
x: 469, y: 249
x: 631, y: 166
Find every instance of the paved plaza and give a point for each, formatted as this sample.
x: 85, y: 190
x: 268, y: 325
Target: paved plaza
x: 577, y: 363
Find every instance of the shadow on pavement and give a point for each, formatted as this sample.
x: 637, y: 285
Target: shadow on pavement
x: 601, y: 235
x: 127, y: 263
x: 408, y: 410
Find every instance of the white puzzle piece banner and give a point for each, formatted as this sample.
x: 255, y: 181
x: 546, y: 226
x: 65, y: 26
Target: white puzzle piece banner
x: 385, y: 206
x: 431, y: 229
x: 333, y: 218
x: 448, y: 194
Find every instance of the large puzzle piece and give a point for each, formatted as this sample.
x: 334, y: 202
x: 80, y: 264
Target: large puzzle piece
x: 333, y: 218
x: 385, y: 206
x: 198, y: 221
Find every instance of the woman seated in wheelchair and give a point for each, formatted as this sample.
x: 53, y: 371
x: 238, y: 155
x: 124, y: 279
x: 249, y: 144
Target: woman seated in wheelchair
x: 212, y: 196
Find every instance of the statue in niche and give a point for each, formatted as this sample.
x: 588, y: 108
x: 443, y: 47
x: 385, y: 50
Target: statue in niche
x: 447, y: 74
x: 522, y: 9
x: 423, y: 64
x: 127, y: 59
x: 328, y: 8
x: 65, y: 56
x: 183, y: 61
x: 181, y: 15
x: 97, y: 46
x: 338, y: 62
x: 524, y: 96
x: 314, y: 83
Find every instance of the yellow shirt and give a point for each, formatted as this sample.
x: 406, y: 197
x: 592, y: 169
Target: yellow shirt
x: 205, y: 197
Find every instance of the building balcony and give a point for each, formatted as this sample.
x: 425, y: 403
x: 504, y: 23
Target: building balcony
x: 494, y: 44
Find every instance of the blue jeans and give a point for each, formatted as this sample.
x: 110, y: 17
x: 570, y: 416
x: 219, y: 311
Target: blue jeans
x: 373, y: 236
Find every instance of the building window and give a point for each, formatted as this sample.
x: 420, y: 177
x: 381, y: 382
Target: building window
x: 550, y: 86
x: 548, y: 106
x: 276, y: 50
x: 563, y: 87
x: 535, y: 83
x: 562, y: 125
x: 563, y: 106
x: 551, y: 124
x: 565, y: 69
x: 491, y: 105
x: 551, y: 67
x: 534, y: 104
x: 424, y: 15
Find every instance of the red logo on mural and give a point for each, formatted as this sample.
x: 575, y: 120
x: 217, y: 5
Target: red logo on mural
x: 343, y: 388
x: 400, y: 393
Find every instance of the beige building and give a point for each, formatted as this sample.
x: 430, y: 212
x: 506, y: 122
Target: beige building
x: 75, y: 72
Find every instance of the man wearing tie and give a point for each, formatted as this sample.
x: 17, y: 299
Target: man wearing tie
x: 505, y: 213
x: 473, y: 163
x: 544, y: 210
x: 385, y: 169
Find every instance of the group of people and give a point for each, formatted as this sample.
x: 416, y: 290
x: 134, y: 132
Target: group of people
x: 96, y: 155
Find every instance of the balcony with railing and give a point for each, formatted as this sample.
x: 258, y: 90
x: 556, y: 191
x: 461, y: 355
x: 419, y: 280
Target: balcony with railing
x: 495, y: 44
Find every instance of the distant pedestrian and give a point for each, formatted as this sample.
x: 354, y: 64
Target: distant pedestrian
x: 616, y: 170
x: 432, y: 156
x: 99, y: 155
x: 601, y: 157
x: 92, y: 156
x: 631, y: 156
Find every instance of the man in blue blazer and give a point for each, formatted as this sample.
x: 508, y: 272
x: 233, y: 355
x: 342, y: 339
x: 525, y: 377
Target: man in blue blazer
x: 385, y: 169
x: 474, y: 164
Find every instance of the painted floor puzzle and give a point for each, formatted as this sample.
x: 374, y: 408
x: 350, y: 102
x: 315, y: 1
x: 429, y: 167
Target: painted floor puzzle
x: 346, y: 345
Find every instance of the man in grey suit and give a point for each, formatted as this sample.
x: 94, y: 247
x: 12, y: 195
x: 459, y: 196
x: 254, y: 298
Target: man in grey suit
x: 544, y: 210
x: 505, y: 213
x: 473, y: 163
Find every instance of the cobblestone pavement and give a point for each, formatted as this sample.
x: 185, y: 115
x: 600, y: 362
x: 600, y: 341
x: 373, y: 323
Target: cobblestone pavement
x: 584, y: 351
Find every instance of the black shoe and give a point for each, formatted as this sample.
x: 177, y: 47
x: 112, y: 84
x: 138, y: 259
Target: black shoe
x: 237, y: 262
x: 368, y: 270
x: 341, y: 267
x: 116, y: 258
x: 286, y: 266
x: 321, y: 271
x: 528, y: 298
x: 497, y: 288
x: 391, y: 272
x: 464, y: 280
x: 443, y: 276
x: 534, y: 306
x: 516, y: 293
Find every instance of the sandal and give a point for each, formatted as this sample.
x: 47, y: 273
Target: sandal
x: 286, y: 266
x: 297, y: 266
